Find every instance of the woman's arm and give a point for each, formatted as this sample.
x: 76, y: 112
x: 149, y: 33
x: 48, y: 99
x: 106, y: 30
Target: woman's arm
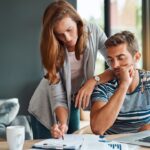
x: 60, y: 127
x: 59, y: 106
x: 61, y: 114
x: 97, y: 40
x: 84, y: 94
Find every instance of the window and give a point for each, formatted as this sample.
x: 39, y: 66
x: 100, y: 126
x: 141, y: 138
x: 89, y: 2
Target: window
x: 124, y: 15
x: 146, y: 33
x: 93, y: 11
x: 127, y: 15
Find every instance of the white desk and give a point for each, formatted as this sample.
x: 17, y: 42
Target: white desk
x: 28, y: 144
x: 111, y: 137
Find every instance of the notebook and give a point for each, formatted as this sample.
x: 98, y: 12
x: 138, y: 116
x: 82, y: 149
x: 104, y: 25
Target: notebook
x: 70, y: 142
x: 140, y: 138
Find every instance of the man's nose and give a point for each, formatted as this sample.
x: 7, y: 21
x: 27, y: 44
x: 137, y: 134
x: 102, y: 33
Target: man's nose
x: 115, y: 64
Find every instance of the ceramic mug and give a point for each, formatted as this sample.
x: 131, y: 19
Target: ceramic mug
x: 15, y: 137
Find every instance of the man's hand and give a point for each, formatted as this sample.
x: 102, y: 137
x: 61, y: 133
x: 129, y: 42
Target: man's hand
x: 125, y: 74
x: 145, y: 127
x: 58, y: 130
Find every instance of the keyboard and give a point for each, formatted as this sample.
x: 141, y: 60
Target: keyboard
x: 146, y: 139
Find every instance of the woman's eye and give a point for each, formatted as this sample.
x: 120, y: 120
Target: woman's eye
x: 69, y: 30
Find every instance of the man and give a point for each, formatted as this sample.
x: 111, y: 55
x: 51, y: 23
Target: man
x: 123, y: 104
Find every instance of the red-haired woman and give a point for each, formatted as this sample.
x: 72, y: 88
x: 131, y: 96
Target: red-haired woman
x: 69, y: 49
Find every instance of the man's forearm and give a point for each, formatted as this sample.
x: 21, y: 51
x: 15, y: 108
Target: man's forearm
x: 145, y: 127
x: 62, y: 114
x: 103, y: 118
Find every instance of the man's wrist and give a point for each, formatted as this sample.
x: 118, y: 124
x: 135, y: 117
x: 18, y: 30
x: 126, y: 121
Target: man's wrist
x: 124, y: 85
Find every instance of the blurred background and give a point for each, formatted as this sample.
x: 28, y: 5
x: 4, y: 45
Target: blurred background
x: 20, y: 27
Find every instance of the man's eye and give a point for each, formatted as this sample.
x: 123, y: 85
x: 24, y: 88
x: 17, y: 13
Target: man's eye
x: 109, y: 60
x: 121, y: 58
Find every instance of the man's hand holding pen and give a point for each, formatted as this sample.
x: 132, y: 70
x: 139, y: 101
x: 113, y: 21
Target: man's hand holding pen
x: 58, y: 130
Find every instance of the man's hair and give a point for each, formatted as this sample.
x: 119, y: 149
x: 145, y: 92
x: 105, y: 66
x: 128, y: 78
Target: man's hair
x: 123, y: 37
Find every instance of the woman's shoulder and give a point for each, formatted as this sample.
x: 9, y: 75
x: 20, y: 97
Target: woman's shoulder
x: 93, y: 27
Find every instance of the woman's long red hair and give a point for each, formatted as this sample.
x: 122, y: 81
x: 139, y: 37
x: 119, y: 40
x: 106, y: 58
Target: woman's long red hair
x: 52, y: 50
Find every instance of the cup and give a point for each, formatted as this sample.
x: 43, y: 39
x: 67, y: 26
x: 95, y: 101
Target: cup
x: 15, y: 137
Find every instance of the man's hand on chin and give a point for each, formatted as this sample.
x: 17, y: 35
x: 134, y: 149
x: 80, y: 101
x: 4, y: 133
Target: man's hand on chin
x: 145, y: 127
x: 125, y: 74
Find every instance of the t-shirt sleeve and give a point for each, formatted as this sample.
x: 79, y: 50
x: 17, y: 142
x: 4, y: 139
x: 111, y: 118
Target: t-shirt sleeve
x: 99, y: 94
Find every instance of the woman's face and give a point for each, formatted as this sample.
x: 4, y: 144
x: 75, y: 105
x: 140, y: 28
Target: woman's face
x: 67, y: 32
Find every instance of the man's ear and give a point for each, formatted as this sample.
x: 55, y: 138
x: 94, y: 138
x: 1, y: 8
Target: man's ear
x: 137, y: 56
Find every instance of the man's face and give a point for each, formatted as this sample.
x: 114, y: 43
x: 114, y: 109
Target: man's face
x: 119, y: 56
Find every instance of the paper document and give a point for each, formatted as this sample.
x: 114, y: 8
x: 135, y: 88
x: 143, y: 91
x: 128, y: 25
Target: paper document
x: 93, y: 142
x: 81, y: 142
x: 71, y: 141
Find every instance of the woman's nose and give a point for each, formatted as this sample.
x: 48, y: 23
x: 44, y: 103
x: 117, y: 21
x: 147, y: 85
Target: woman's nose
x: 67, y: 37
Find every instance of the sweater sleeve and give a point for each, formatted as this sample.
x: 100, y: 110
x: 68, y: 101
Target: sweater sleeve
x: 57, y: 95
x: 99, y: 38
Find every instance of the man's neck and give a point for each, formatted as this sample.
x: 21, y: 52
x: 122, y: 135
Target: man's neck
x: 134, y: 82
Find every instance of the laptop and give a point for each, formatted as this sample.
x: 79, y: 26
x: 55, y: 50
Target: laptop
x: 139, y: 138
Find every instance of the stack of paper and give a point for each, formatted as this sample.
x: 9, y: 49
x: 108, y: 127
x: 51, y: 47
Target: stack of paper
x: 80, y: 142
x: 72, y: 141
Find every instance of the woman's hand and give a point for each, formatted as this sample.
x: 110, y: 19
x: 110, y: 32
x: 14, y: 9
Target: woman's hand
x: 58, y: 130
x: 83, y: 96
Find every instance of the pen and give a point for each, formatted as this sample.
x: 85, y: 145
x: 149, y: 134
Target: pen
x: 62, y: 135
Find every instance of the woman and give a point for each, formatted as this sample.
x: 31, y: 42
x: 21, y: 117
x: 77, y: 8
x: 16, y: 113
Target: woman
x: 68, y: 51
